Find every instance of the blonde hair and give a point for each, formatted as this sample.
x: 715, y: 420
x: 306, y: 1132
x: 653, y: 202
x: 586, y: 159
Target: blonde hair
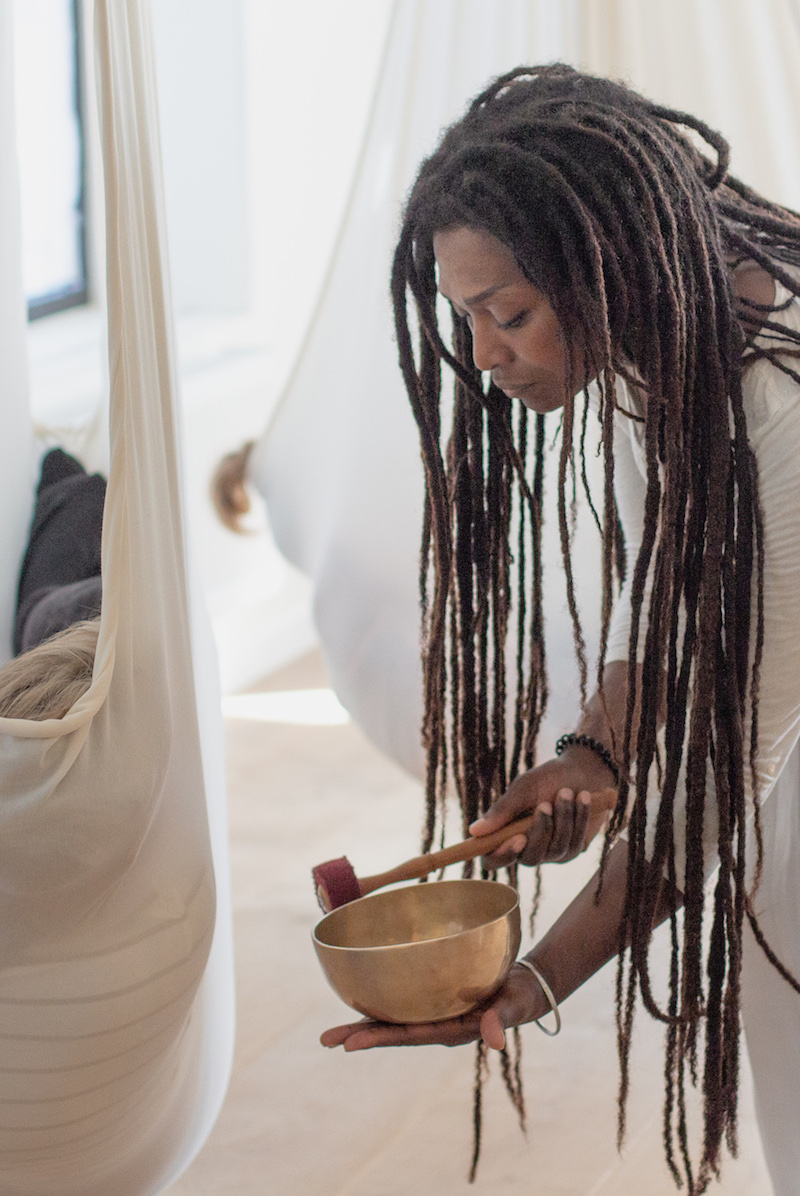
x: 46, y: 681
x: 229, y: 487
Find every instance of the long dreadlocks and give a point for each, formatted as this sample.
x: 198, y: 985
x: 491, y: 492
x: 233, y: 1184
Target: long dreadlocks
x: 631, y: 233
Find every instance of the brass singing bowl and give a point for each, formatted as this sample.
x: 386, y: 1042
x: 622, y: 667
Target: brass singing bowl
x: 421, y: 953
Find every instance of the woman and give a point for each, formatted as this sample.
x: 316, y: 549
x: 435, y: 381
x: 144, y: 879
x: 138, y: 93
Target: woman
x: 583, y: 241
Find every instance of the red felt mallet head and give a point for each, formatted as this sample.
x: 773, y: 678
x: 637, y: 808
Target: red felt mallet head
x: 336, y: 883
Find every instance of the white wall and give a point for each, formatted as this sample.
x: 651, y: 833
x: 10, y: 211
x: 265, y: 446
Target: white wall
x: 201, y: 85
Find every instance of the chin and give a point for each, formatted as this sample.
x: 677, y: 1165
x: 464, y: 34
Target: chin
x: 541, y: 404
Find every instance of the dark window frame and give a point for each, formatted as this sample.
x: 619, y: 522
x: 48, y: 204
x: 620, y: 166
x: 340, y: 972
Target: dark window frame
x: 75, y: 294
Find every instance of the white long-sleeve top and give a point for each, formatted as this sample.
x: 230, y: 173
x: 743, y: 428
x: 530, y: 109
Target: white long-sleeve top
x: 772, y: 410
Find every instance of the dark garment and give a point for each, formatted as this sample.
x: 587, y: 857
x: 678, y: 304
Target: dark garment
x: 57, y: 609
x: 61, y: 567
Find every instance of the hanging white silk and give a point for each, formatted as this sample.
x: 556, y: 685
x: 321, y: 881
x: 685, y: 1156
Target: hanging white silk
x: 115, y: 1043
x: 339, y: 461
x: 339, y: 464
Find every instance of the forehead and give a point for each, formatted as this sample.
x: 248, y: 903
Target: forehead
x: 471, y: 262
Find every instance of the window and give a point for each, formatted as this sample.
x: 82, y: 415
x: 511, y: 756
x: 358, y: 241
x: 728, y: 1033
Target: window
x: 51, y: 155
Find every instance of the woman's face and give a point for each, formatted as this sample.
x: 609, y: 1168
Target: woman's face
x: 515, y: 333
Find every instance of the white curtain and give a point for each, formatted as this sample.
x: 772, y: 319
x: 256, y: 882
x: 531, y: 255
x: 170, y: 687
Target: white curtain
x: 116, y: 994
x: 339, y: 462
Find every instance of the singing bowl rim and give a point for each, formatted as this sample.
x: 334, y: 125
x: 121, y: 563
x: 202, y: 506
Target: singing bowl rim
x: 440, y: 938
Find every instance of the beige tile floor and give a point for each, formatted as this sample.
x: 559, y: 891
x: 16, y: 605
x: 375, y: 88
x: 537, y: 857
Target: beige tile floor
x: 302, y: 1121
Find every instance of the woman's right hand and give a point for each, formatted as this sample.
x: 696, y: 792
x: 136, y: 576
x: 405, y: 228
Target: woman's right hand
x: 560, y: 792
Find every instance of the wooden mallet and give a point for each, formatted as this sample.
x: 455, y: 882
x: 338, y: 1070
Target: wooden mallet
x: 336, y: 882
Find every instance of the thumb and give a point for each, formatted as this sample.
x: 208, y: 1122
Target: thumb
x: 493, y: 1029
x: 514, y: 1004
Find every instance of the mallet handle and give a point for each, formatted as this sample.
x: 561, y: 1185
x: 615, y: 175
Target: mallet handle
x: 423, y: 865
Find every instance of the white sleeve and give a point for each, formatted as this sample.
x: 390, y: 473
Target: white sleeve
x: 629, y: 488
x: 776, y: 443
x: 777, y: 448
x: 773, y: 403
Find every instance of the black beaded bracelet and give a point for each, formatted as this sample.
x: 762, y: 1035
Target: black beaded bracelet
x: 594, y: 745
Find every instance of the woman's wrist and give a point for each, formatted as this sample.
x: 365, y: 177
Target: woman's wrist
x: 593, y: 772
x: 544, y: 1001
x: 581, y: 740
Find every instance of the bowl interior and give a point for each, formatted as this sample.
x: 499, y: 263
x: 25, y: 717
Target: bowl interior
x: 416, y: 913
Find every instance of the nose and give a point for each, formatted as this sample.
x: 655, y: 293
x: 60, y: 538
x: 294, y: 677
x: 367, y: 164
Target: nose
x: 489, y: 349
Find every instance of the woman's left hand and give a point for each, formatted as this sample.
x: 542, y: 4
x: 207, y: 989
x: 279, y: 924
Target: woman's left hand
x: 520, y: 999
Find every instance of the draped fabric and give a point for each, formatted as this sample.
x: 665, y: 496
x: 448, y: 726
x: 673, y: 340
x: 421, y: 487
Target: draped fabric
x: 116, y: 1009
x: 339, y: 462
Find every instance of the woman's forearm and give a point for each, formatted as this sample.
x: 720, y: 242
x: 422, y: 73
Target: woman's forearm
x: 587, y: 934
x: 604, y: 717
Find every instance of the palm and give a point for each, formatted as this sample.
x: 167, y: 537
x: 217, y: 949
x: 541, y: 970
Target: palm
x: 512, y: 1004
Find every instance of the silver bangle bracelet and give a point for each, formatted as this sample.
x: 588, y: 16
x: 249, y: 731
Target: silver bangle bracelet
x: 548, y: 992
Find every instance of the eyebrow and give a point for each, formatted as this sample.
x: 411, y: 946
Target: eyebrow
x: 471, y: 300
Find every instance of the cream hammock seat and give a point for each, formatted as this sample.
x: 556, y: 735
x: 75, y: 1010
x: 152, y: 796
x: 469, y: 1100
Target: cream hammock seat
x: 116, y: 1000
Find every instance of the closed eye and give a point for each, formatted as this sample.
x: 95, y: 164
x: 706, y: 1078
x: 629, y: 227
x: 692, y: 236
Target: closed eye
x: 515, y: 322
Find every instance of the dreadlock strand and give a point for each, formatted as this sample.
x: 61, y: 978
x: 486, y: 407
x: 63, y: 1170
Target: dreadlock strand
x: 520, y: 706
x: 537, y: 692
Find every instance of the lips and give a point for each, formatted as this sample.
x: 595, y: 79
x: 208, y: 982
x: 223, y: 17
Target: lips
x: 513, y: 389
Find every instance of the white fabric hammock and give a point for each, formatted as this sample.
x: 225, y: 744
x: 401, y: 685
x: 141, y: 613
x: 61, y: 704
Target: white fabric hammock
x: 115, y: 1037
x: 339, y: 462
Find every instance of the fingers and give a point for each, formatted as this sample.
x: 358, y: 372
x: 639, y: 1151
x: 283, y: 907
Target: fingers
x: 534, y: 846
x: 339, y: 1034
x: 558, y: 834
x: 514, y: 1004
x: 551, y: 837
x: 366, y: 1034
x: 521, y: 797
x: 570, y: 816
x: 562, y: 828
x: 493, y: 1030
x: 564, y: 822
x: 583, y: 811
